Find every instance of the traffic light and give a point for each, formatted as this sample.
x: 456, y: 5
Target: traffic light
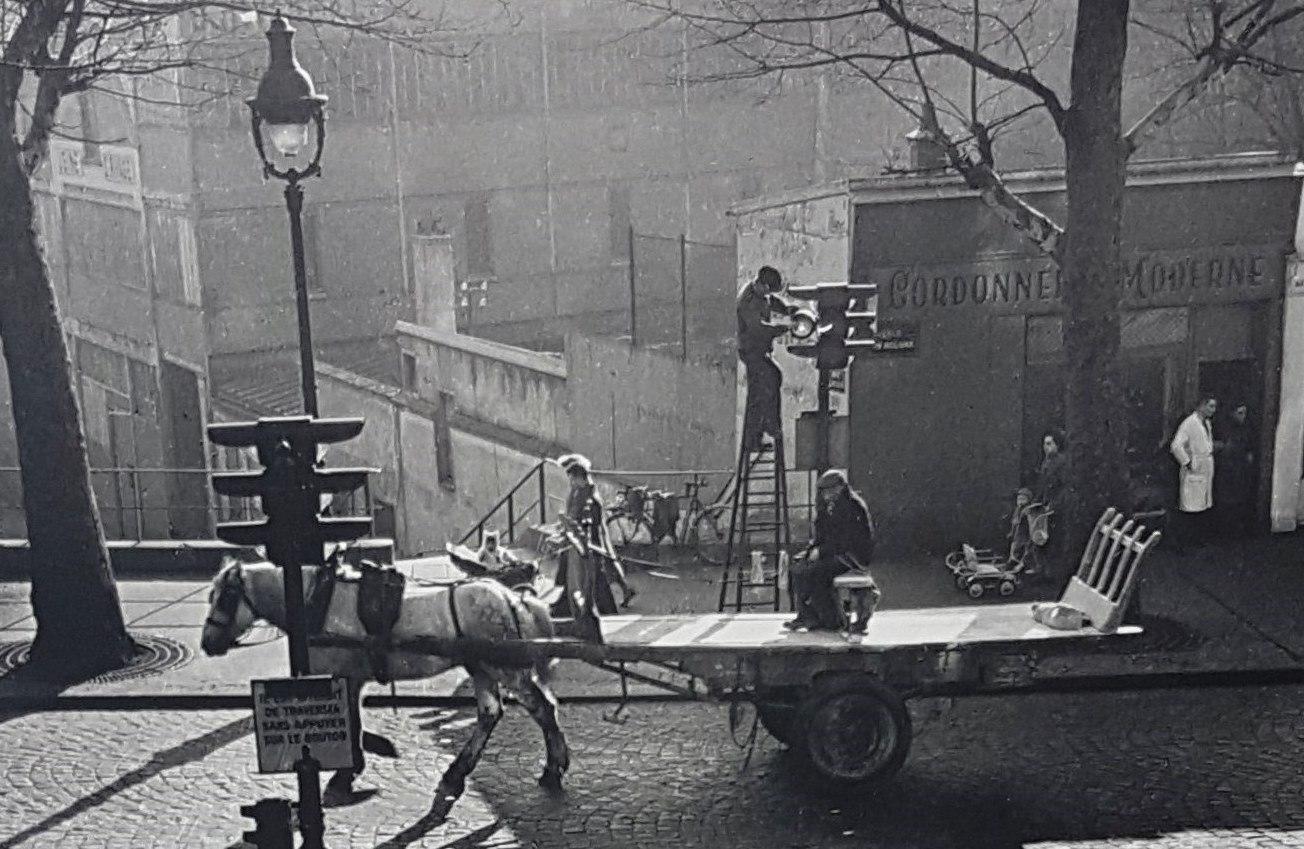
x: 290, y: 486
x: 273, y: 824
x: 843, y: 321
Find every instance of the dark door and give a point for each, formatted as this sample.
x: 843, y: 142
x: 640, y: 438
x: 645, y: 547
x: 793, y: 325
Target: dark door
x: 1234, y: 382
x: 184, y: 434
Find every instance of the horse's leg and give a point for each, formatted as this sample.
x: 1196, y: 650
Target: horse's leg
x: 489, y: 709
x: 538, y: 699
x: 341, y: 783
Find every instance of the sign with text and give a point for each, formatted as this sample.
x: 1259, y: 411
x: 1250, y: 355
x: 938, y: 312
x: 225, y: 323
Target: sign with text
x: 895, y: 335
x: 291, y: 713
x: 1154, y: 278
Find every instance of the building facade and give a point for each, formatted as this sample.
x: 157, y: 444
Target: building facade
x: 941, y: 437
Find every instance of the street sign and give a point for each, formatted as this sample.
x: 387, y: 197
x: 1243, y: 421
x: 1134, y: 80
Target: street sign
x: 896, y: 336
x: 312, y: 711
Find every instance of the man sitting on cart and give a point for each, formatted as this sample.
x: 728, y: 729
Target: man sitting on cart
x: 843, y: 540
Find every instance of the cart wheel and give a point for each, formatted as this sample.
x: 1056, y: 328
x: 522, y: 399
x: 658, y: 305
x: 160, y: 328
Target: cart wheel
x: 778, y: 719
x: 976, y: 590
x: 961, y: 582
x: 853, y: 729
x: 1007, y: 588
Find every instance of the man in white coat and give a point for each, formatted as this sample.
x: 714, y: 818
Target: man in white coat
x: 1193, y: 448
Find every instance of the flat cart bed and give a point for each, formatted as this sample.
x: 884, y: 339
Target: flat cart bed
x: 939, y: 627
x: 925, y: 651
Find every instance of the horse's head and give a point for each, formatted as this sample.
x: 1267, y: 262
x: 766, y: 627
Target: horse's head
x: 231, y: 612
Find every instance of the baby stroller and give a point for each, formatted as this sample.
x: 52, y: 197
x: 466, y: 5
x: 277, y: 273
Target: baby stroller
x: 977, y: 570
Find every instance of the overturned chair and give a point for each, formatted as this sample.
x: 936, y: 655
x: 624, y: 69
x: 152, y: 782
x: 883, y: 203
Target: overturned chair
x: 1106, y: 579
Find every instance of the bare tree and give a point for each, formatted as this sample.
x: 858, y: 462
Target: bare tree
x: 50, y: 49
x: 969, y: 70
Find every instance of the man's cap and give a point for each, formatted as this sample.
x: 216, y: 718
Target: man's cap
x: 832, y: 478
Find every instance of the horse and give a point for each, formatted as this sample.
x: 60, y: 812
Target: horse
x: 243, y: 593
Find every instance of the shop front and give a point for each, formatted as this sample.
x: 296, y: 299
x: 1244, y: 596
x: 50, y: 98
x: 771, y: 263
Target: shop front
x: 941, y: 438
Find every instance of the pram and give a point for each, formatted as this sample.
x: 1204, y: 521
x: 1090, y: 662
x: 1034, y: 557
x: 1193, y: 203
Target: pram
x: 977, y: 570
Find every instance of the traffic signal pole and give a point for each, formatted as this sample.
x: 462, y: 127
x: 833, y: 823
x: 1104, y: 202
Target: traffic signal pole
x: 824, y: 414
x: 289, y: 489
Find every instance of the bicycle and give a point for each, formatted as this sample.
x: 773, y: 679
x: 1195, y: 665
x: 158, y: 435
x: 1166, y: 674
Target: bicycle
x: 628, y: 515
x: 700, y: 523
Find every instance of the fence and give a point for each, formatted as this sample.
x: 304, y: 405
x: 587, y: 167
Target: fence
x: 143, y: 503
x: 681, y: 294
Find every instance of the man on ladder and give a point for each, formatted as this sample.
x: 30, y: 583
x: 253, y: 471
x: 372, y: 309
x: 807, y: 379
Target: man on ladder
x: 757, y: 305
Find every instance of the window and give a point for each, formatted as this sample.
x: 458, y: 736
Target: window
x: 618, y: 223
x: 88, y: 130
x: 188, y: 254
x: 409, y: 371
x: 479, y: 241
x: 443, y: 442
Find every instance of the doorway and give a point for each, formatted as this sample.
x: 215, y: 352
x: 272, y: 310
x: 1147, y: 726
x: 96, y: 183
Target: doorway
x: 184, y: 449
x: 1235, y: 382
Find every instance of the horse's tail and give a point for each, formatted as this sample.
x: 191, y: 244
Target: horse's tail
x: 539, y: 625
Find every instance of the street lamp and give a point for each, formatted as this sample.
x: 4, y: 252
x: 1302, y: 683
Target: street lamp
x: 284, y: 107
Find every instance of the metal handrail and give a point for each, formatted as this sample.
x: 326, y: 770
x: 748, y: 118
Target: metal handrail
x: 509, y: 500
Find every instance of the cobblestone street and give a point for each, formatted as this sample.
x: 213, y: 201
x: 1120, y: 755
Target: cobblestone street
x: 1192, y: 768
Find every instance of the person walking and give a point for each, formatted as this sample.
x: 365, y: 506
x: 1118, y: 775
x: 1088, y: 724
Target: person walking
x: 1193, y: 448
x: 843, y: 539
x: 757, y: 305
x: 584, y: 575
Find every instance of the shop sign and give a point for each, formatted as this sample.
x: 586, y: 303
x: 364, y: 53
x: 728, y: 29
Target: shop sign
x: 1157, y: 278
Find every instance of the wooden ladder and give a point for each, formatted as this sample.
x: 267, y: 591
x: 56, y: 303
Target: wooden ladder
x: 760, y: 485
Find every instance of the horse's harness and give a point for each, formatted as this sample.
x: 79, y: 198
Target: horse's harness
x: 379, y: 604
x: 232, y: 591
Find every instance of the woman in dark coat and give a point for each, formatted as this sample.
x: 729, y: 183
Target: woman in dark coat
x: 1052, y: 490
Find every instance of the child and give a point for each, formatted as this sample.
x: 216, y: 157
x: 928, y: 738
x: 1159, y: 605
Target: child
x: 1022, y: 549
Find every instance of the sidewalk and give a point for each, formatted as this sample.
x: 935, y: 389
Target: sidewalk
x: 1231, y: 607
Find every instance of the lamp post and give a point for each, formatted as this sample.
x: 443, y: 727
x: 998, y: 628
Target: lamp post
x: 283, y: 110
x: 286, y: 104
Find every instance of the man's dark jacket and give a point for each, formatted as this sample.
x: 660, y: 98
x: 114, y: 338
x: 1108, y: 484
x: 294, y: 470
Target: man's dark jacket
x: 755, y: 334
x: 846, y: 529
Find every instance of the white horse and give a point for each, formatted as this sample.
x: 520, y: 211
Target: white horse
x: 479, y: 609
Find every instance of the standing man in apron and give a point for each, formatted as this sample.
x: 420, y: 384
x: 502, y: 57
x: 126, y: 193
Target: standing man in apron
x: 1193, y: 448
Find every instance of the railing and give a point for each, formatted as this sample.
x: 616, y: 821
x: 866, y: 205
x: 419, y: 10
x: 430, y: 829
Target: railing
x: 156, y: 503
x: 512, y: 504
x: 528, y: 498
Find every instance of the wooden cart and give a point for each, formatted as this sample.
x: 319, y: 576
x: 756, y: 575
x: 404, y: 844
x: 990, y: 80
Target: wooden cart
x: 839, y: 700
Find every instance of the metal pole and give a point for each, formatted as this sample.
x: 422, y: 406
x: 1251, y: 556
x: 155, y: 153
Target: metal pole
x: 291, y: 554
x: 822, y: 424
x: 683, y: 296
x: 308, y: 376
x: 633, y: 297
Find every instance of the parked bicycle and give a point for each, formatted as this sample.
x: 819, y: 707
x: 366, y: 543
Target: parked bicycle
x: 642, y: 516
x: 701, y: 524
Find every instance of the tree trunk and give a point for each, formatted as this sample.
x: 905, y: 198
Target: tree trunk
x: 79, y: 618
x: 1096, y: 162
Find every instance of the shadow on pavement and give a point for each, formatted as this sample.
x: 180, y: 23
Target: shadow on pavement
x: 188, y: 751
